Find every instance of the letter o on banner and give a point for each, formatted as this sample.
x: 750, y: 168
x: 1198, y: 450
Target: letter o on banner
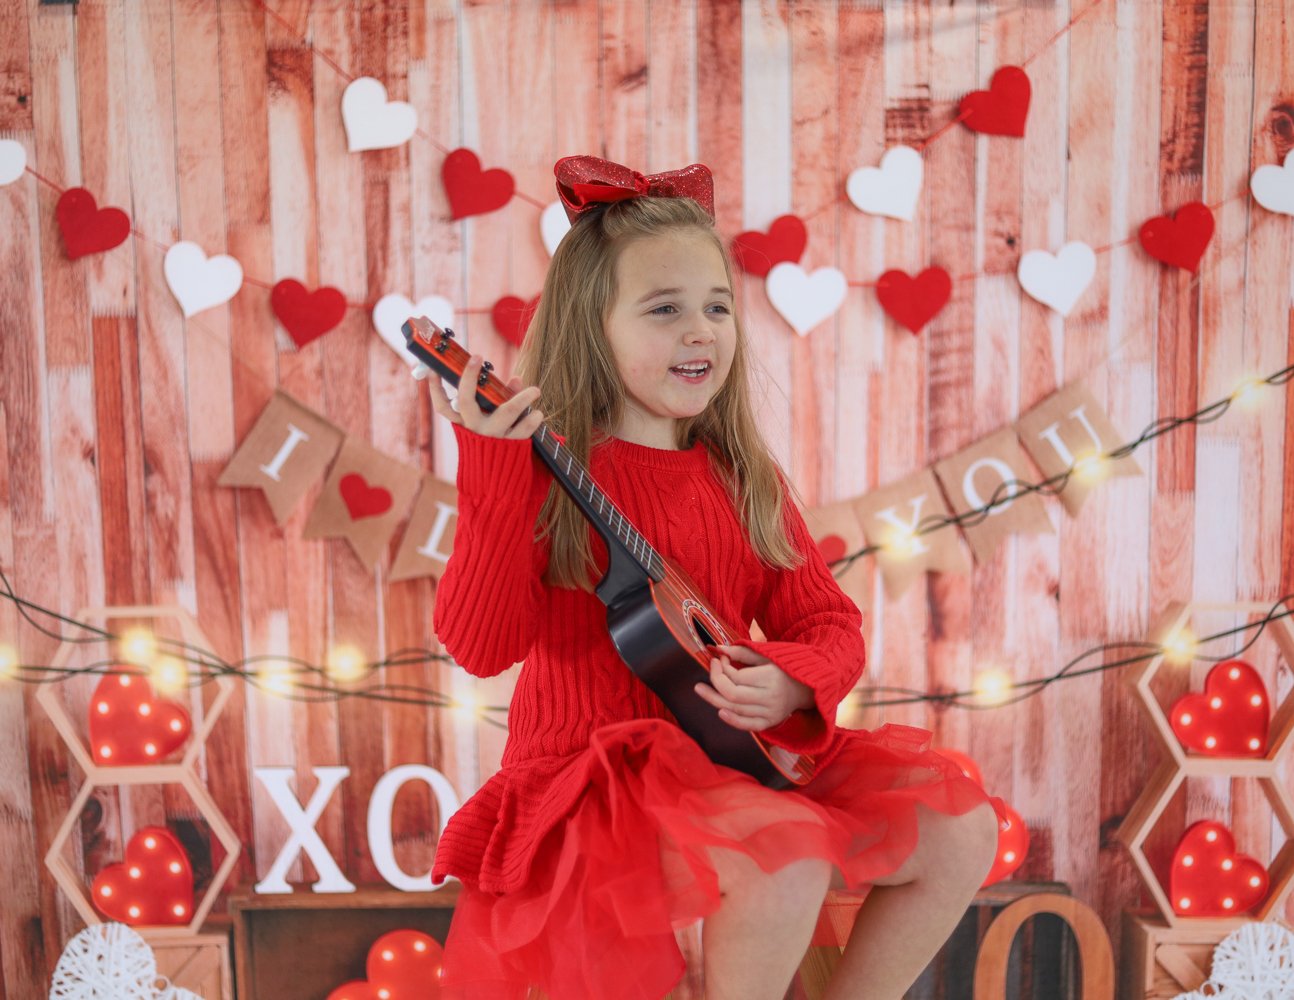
x: 1095, y: 959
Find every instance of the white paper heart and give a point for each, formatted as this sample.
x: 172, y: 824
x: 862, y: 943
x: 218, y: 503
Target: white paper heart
x: 111, y: 962
x: 373, y: 122
x: 890, y: 189
x: 1058, y: 280
x: 1273, y: 186
x: 392, y: 310
x: 805, y: 300
x: 553, y: 225
x: 1256, y: 960
x: 13, y: 161
x: 199, y: 282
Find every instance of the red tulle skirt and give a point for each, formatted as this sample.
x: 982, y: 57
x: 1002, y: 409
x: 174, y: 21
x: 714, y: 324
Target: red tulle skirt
x: 630, y: 865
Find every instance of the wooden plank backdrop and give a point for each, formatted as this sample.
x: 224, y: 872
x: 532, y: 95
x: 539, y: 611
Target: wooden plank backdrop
x: 220, y: 123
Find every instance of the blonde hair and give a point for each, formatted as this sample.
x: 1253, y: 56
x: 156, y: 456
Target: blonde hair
x: 566, y: 354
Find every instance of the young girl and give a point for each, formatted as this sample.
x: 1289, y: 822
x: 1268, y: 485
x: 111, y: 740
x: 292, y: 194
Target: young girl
x: 607, y: 828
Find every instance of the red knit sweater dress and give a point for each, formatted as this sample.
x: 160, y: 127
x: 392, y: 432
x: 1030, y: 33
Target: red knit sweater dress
x: 590, y: 846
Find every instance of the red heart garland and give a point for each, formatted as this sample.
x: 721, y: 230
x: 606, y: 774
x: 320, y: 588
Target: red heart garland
x: 363, y: 500
x: 152, y: 887
x: 402, y: 965
x: 1012, y: 843
x: 86, y: 227
x: 129, y: 724
x: 1208, y: 877
x: 471, y: 190
x: 832, y: 547
x: 913, y: 302
x: 512, y: 316
x: 1230, y: 718
x: 304, y: 314
x: 1002, y: 109
x: 1181, y: 239
x: 756, y: 252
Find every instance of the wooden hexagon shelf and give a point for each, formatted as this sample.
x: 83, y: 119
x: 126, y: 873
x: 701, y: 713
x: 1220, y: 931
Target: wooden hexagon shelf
x: 1168, y: 778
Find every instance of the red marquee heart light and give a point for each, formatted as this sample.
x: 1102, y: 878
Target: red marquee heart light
x: 129, y: 724
x: 914, y: 302
x: 756, y: 252
x: 1230, y: 718
x: 153, y: 887
x: 1180, y: 239
x: 471, y: 190
x: 1208, y: 877
x: 86, y: 227
x: 304, y: 314
x: 1002, y: 109
x: 402, y: 965
x: 361, y: 499
x: 511, y: 316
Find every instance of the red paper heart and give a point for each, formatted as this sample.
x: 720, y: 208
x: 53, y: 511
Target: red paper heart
x: 306, y: 315
x: 832, y: 548
x: 1012, y: 843
x: 1002, y: 109
x: 1230, y: 718
x: 129, y: 724
x: 1181, y: 239
x: 363, y: 500
x: 512, y: 316
x: 913, y: 302
x: 1208, y: 877
x: 756, y: 252
x: 471, y: 190
x: 402, y: 965
x: 86, y: 227
x: 152, y: 887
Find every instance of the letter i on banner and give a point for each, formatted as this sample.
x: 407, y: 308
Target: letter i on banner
x: 429, y: 538
x: 1068, y: 428
x: 284, y: 454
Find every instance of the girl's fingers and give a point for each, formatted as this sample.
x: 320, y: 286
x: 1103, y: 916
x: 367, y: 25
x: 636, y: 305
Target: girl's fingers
x: 440, y: 401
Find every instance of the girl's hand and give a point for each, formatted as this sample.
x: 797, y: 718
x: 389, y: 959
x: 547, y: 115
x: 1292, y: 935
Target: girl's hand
x: 509, y: 420
x: 757, y: 696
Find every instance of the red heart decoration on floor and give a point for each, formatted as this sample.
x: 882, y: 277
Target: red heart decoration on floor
x: 363, y: 500
x: 512, y: 315
x: 1012, y: 843
x: 86, y: 227
x: 1230, y: 718
x: 129, y: 724
x: 1002, y: 109
x: 1208, y: 877
x: 304, y: 314
x: 1181, y: 239
x: 756, y: 252
x: 401, y: 965
x: 152, y: 887
x: 913, y: 302
x: 471, y: 190
x: 832, y: 547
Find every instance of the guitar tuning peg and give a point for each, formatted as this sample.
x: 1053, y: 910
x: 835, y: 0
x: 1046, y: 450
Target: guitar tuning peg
x: 420, y: 371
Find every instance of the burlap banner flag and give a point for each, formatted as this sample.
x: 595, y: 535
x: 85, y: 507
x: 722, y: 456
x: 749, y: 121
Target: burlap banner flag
x: 429, y: 538
x: 1066, y: 428
x: 889, y: 517
x: 972, y: 477
x: 838, y: 532
x: 284, y: 454
x: 366, y: 495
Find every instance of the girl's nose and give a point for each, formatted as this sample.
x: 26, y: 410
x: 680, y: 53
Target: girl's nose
x: 699, y: 333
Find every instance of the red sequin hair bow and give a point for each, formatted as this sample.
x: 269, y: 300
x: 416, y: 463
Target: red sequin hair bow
x: 586, y: 181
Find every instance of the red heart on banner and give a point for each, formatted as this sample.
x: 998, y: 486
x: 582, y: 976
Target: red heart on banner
x: 86, y: 227
x: 152, y: 887
x: 1012, y: 843
x: 1181, y: 239
x: 1208, y: 877
x: 1002, y: 109
x: 1230, y: 718
x: 401, y: 965
x: 129, y: 724
x: 471, y: 190
x: 363, y: 500
x: 913, y: 302
x: 304, y: 314
x: 832, y: 548
x: 756, y: 252
x: 512, y: 316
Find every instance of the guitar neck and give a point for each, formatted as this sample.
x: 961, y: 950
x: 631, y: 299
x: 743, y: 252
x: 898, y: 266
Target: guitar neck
x: 596, y: 505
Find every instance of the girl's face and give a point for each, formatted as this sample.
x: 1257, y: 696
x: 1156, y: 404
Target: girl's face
x: 672, y: 316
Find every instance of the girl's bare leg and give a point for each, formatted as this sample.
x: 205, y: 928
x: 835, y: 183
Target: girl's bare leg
x: 907, y: 917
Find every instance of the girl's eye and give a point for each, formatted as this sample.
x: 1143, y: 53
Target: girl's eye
x: 720, y: 307
x: 661, y: 309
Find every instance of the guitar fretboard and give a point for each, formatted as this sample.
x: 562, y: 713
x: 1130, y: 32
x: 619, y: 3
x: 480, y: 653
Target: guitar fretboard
x: 577, y: 479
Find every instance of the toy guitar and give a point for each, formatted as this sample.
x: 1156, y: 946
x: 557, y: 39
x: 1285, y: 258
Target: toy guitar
x: 659, y: 621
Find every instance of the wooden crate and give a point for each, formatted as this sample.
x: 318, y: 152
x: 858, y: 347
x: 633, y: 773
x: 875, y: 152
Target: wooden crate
x: 305, y: 944
x: 1160, y: 961
x: 198, y: 962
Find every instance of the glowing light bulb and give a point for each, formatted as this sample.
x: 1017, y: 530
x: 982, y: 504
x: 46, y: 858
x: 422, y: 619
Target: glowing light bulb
x: 1256, y: 700
x: 1211, y: 836
x: 145, y: 709
x: 1211, y: 742
x: 346, y: 664
x: 1254, y: 744
x: 993, y: 687
x: 1091, y: 469
x: 1184, y: 903
x: 176, y: 725
x: 150, y: 842
x: 106, y: 891
x: 1234, y: 673
x: 105, y: 751
x: 1227, y: 864
x: 1008, y: 857
x: 1180, y: 646
x: 134, y: 912
x: 178, y: 909
x: 276, y: 677
x: 169, y: 675
x: 138, y: 646
x: 388, y: 955
x: 124, y: 680
x: 8, y: 661
x: 150, y: 749
x: 174, y: 867
x: 102, y: 707
x: 903, y: 543
x: 1188, y: 860
x: 1255, y: 881
x: 420, y: 946
x: 1228, y: 903
x: 1215, y: 703
x: 135, y: 872
x: 384, y: 994
x: 1184, y: 718
x: 1248, y: 392
x: 466, y: 704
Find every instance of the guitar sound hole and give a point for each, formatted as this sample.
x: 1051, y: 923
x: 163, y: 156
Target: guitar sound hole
x: 702, y: 633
